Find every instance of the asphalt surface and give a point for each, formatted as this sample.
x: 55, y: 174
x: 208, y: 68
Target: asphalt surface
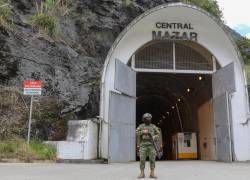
x: 167, y: 170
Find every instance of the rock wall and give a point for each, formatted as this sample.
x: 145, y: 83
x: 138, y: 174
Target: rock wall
x: 71, y: 68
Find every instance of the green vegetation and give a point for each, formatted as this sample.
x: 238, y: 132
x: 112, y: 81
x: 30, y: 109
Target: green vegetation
x: 48, y: 24
x: 247, y: 68
x: 48, y: 121
x: 12, y: 109
x: 243, y: 45
x: 126, y: 2
x: 43, y: 151
x: 18, y: 149
x: 5, y: 15
x: 209, y: 5
x: 46, y: 19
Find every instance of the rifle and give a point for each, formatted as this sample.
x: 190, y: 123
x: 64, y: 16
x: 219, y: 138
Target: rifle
x: 156, y: 144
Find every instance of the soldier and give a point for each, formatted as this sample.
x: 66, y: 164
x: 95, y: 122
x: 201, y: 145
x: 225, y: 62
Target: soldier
x: 146, y: 148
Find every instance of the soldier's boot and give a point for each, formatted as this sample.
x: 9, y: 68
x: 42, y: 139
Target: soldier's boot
x: 142, y: 174
x: 152, y: 174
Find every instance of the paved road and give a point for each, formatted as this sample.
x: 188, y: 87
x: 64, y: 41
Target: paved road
x: 168, y: 170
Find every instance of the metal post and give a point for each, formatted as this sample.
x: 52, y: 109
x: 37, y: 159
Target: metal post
x: 30, y: 117
x: 179, y: 117
x: 174, y: 57
x: 214, y: 64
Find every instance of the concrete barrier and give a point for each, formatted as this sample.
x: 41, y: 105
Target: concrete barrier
x: 81, y: 143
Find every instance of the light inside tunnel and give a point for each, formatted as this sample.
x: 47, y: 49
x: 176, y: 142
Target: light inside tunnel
x: 174, y: 101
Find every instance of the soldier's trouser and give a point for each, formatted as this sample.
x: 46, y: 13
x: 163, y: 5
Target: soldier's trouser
x: 147, y: 151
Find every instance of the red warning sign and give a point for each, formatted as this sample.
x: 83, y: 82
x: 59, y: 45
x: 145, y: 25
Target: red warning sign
x: 32, y: 84
x: 32, y: 87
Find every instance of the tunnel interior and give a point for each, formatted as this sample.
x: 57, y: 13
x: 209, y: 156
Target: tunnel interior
x: 178, y: 103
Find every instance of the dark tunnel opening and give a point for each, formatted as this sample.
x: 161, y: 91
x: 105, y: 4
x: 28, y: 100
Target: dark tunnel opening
x: 175, y: 102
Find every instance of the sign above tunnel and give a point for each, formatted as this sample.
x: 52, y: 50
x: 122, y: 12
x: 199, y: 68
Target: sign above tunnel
x: 174, y: 31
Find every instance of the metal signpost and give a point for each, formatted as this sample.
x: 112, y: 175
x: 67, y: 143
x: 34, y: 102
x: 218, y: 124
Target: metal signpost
x: 31, y: 88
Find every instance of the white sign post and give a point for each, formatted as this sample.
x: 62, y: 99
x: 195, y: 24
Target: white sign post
x: 30, y: 117
x: 31, y: 88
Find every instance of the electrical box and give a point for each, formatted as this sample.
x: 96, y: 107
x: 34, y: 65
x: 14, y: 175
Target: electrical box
x: 184, y: 146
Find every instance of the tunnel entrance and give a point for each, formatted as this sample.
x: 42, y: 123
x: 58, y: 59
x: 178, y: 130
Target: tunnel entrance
x: 187, y: 93
x: 174, y: 84
x: 124, y: 86
x: 185, y: 89
x: 178, y: 103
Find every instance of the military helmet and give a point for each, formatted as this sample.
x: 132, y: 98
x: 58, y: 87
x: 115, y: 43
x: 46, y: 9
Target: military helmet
x: 147, y: 115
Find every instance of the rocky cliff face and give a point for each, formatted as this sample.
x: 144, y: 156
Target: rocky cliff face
x: 70, y: 68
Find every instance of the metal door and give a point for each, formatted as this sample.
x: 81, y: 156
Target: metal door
x: 125, y: 79
x: 122, y: 115
x: 222, y: 128
x: 122, y: 128
x: 223, y: 85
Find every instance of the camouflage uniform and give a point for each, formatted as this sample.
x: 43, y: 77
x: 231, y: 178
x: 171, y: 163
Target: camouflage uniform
x: 145, y: 144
